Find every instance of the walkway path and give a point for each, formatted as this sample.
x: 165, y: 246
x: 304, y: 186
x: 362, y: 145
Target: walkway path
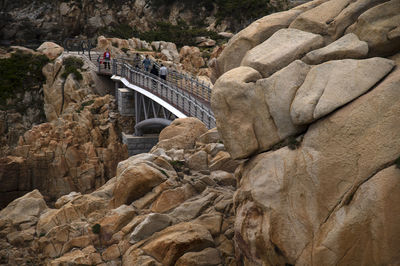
x: 180, y: 94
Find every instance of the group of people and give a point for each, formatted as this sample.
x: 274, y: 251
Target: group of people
x: 162, y: 72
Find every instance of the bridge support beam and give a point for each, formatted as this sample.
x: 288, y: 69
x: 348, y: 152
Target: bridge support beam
x: 139, y: 144
x: 126, y: 102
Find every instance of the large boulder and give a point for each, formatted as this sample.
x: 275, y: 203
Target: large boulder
x: 191, y: 58
x: 290, y: 198
x: 171, y: 243
x: 252, y: 113
x: 280, y: 50
x: 26, y: 209
x: 206, y: 257
x: 331, y: 18
x: 349, y: 46
x: 51, y: 50
x: 135, y: 180
x: 359, y: 221
x: 253, y: 35
x: 335, y: 83
x: 181, y: 134
x: 280, y: 90
x: 241, y: 115
x: 380, y: 28
x: 250, y: 37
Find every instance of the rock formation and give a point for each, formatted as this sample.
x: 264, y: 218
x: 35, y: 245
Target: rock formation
x: 77, y: 150
x: 320, y: 134
x: 156, y: 210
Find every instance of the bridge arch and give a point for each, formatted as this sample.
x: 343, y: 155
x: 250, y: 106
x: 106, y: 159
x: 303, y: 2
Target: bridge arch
x: 151, y: 123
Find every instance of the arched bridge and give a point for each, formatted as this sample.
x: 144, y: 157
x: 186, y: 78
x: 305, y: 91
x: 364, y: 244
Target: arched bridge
x: 154, y: 102
x: 160, y: 101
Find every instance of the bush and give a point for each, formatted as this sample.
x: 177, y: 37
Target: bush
x: 19, y: 73
x: 122, y: 31
x: 96, y: 229
x: 71, y: 66
x: 180, y: 34
x: 240, y: 11
x: 397, y: 163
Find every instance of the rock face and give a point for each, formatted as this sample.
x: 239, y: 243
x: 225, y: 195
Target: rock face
x: 122, y: 222
x: 330, y: 19
x: 77, y: 152
x: 379, y: 27
x: 349, y: 46
x: 335, y: 83
x: 280, y: 50
x: 191, y: 58
x: 322, y: 146
x: 59, y: 92
x: 333, y: 150
x: 51, y: 50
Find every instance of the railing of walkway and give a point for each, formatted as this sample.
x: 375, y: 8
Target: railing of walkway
x: 191, y: 98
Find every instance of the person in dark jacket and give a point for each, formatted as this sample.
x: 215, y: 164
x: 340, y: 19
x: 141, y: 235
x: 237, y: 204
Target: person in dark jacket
x: 154, y: 70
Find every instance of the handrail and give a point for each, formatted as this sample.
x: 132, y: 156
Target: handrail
x: 80, y: 45
x: 190, y: 102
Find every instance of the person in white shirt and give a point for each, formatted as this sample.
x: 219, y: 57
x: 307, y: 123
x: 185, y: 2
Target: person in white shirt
x: 163, y: 72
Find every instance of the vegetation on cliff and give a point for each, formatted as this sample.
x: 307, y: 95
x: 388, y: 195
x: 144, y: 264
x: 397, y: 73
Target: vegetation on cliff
x: 241, y: 11
x: 19, y: 73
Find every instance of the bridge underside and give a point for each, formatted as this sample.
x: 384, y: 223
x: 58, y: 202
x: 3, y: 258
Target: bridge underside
x: 151, y: 124
x: 148, y: 110
x: 150, y: 117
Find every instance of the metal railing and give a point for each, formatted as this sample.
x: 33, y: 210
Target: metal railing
x: 185, y: 92
x: 79, y: 45
x: 189, y: 97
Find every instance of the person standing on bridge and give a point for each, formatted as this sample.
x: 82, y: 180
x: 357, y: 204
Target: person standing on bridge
x: 163, y: 72
x: 137, y: 59
x: 107, y: 58
x: 146, y: 63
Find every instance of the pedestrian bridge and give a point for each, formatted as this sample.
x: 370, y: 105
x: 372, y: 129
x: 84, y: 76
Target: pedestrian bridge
x: 152, y: 101
x: 158, y: 101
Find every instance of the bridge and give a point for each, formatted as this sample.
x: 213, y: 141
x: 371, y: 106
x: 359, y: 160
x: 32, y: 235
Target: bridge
x: 154, y: 102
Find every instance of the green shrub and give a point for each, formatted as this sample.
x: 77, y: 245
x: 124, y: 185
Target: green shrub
x: 177, y: 165
x: 72, y: 65
x: 180, y: 34
x: 19, y: 73
x: 96, y: 229
x: 84, y: 104
x: 240, y: 11
x: 124, y: 50
x: 122, y: 31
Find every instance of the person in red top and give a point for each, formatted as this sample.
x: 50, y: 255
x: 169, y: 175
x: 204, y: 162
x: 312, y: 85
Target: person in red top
x: 107, y: 58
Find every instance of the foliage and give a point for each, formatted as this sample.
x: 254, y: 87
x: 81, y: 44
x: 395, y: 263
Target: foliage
x: 180, y: 34
x: 96, y: 229
x: 177, y: 165
x: 72, y: 65
x: 240, y: 11
x: 19, y: 73
x: 124, y: 49
x: 122, y: 31
x: 84, y: 104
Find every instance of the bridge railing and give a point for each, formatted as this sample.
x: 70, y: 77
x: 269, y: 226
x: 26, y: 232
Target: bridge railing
x: 192, y: 101
x: 180, y: 80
